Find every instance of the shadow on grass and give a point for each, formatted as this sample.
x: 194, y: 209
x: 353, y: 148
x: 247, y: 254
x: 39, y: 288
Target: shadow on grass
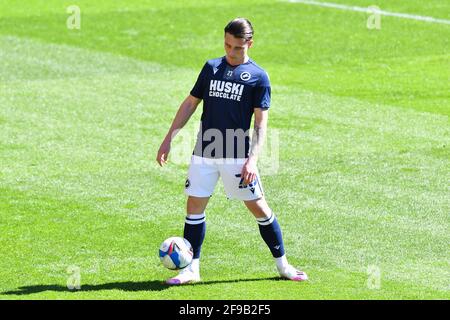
x: 154, y: 285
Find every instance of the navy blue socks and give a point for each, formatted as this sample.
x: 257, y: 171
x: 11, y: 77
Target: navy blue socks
x: 271, y: 233
x: 194, y: 231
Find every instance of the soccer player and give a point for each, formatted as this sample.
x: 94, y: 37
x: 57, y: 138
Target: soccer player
x: 233, y: 88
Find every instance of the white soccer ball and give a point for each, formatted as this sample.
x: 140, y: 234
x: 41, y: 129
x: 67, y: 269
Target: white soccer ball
x: 176, y: 253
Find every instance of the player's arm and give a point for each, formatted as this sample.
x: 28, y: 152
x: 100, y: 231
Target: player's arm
x: 259, y: 133
x: 249, y: 169
x: 184, y: 113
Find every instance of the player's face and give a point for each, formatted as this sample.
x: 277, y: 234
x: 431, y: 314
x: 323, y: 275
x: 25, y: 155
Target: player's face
x: 236, y: 48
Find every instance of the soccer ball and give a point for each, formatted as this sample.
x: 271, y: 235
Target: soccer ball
x: 176, y: 253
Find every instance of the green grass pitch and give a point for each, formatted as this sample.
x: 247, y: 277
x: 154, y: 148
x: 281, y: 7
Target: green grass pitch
x: 362, y: 187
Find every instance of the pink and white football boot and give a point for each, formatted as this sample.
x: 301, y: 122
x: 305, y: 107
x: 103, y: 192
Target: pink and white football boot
x: 291, y: 273
x: 190, y: 274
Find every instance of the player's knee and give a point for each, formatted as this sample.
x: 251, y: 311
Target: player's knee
x: 259, y: 207
x: 257, y: 203
x: 196, y: 205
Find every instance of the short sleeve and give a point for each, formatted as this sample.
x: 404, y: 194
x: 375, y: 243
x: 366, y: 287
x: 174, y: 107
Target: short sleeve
x: 262, y: 92
x: 199, y: 87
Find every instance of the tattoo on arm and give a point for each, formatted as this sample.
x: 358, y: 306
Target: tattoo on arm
x: 259, y: 133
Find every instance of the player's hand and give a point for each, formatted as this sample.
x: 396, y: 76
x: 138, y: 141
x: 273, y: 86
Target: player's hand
x: 249, y: 171
x: 163, y: 153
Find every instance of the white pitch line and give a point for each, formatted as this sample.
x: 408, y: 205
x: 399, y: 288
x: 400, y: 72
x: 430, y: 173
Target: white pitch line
x: 371, y: 10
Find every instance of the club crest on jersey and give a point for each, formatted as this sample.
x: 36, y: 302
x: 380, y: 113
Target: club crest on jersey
x: 226, y: 90
x: 245, y: 76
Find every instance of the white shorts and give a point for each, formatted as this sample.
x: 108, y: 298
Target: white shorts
x: 204, y: 172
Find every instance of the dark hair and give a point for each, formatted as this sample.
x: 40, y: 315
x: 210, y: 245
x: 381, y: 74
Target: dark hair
x: 240, y: 28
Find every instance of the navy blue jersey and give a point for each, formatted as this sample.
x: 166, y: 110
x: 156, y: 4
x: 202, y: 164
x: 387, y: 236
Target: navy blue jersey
x: 229, y: 94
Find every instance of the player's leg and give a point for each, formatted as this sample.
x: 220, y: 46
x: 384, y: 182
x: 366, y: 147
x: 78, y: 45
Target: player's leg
x: 202, y: 178
x: 194, y: 232
x: 253, y: 197
x: 195, y: 228
x: 270, y: 231
x: 196, y: 205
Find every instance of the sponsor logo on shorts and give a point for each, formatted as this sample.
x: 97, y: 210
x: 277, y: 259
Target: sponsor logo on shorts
x: 187, y: 184
x: 250, y: 186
